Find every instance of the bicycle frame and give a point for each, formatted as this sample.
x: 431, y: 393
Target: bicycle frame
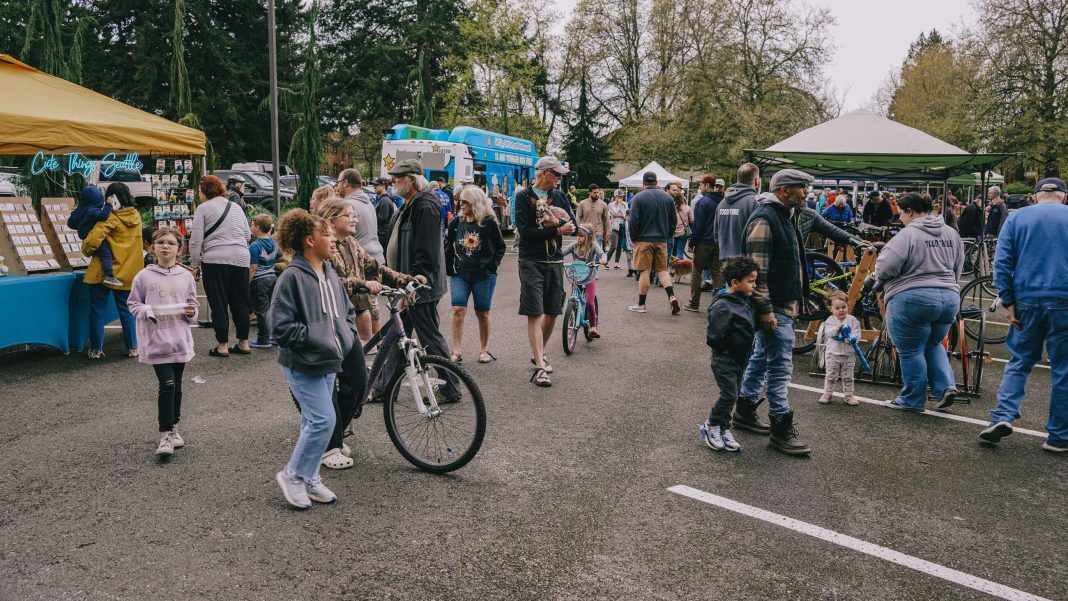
x: 394, y: 339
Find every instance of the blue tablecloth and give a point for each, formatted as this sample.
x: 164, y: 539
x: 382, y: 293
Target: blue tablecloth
x: 48, y: 309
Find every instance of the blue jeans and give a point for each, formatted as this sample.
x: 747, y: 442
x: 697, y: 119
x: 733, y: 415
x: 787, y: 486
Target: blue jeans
x: 772, y: 362
x: 466, y: 285
x: 1044, y: 321
x: 679, y: 249
x: 315, y: 395
x: 98, y: 298
x: 918, y: 321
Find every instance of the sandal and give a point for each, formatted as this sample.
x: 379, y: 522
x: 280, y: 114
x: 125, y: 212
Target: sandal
x: 238, y: 350
x: 486, y: 357
x: 540, y: 378
x: 215, y: 353
x: 335, y: 460
x: 456, y: 358
x: 545, y: 361
x: 594, y: 334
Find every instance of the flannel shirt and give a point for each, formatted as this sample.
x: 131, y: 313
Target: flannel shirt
x: 758, y: 244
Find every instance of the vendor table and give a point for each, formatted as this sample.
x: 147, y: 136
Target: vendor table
x: 48, y: 309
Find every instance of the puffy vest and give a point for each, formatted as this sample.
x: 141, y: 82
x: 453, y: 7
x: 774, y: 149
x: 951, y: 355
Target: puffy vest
x: 786, y: 278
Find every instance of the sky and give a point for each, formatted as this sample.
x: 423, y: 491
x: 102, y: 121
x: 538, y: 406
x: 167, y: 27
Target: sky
x: 871, y: 37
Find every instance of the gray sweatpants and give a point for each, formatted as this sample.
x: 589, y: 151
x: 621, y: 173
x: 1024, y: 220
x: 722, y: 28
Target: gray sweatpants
x: 839, y: 367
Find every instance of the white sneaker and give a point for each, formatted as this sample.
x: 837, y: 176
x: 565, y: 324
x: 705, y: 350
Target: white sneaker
x: 712, y: 437
x: 318, y: 492
x: 729, y: 443
x: 293, y: 489
x: 176, y: 439
x: 637, y: 308
x: 166, y: 444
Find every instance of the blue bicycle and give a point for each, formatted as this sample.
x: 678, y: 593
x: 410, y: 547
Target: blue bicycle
x: 575, y: 318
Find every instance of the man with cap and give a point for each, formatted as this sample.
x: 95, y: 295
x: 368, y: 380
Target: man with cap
x: 1031, y: 275
x: 384, y: 209
x: 235, y: 191
x: 774, y: 242
x: 594, y: 211
x: 415, y: 247
x: 541, y: 266
x: 877, y: 211
x: 652, y: 223
x: 703, y: 239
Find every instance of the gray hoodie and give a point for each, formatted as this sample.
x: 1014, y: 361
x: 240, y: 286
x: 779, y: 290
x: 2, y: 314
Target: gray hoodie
x: 732, y: 214
x: 367, y: 228
x: 927, y: 253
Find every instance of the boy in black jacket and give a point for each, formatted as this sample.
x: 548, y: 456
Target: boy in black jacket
x: 731, y: 329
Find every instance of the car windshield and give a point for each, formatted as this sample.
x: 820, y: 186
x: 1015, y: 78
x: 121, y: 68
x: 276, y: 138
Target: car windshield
x: 119, y: 176
x: 261, y: 180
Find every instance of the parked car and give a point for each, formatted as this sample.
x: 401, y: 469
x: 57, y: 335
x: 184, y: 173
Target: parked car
x: 259, y: 189
x: 291, y: 180
x: 263, y: 166
x: 104, y: 175
x: 1018, y: 201
x: 12, y: 184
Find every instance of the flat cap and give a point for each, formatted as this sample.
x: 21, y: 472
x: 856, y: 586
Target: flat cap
x: 790, y: 177
x: 407, y: 167
x: 550, y: 163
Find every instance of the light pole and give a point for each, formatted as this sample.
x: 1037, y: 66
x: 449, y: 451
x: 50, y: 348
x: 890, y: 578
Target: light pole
x: 273, y: 67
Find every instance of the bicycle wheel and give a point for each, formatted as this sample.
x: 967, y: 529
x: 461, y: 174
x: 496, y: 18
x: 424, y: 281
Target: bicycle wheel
x: 586, y: 326
x: 450, y: 437
x: 970, y: 256
x: 980, y: 294
x: 569, y: 334
x: 814, y: 306
x: 980, y: 355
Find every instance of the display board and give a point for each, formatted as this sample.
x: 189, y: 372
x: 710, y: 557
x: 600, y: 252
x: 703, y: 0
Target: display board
x: 23, y: 243
x: 173, y: 194
x: 66, y: 245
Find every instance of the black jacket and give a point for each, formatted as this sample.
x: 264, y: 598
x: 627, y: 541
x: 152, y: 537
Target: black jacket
x: 878, y: 214
x: 704, y: 218
x: 418, y: 248
x: 385, y: 210
x: 995, y: 219
x: 490, y: 251
x: 731, y: 327
x: 312, y: 319
x: 652, y: 216
x: 538, y: 243
x: 970, y: 223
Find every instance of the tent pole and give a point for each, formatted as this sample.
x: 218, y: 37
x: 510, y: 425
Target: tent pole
x: 273, y: 58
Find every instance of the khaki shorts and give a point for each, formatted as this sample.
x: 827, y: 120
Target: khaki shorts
x: 650, y: 255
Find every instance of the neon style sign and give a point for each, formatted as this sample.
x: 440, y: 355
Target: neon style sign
x: 76, y: 163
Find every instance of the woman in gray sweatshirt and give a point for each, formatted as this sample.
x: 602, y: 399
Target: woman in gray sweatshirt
x: 919, y: 273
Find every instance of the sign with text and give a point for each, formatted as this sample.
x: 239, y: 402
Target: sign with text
x: 74, y: 162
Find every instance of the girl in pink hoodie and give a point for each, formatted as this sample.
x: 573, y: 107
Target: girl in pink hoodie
x: 164, y: 301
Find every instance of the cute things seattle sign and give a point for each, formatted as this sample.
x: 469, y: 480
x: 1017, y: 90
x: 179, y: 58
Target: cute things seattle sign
x: 74, y: 162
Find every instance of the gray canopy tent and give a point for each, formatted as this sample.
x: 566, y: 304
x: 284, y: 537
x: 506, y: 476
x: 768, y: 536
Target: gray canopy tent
x: 863, y: 145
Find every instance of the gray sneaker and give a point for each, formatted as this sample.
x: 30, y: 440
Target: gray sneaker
x: 318, y: 492
x: 176, y: 439
x: 293, y: 489
x: 166, y: 444
x: 111, y: 280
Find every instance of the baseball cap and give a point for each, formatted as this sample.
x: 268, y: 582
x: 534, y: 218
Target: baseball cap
x: 648, y: 177
x: 1050, y: 184
x: 407, y: 167
x: 874, y: 194
x: 381, y: 181
x: 790, y: 177
x: 720, y: 182
x: 550, y: 163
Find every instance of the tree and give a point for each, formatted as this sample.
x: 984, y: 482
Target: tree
x: 306, y: 151
x: 585, y: 151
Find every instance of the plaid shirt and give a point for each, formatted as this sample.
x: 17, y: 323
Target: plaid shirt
x: 758, y: 246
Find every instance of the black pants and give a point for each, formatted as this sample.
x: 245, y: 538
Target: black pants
x: 227, y: 290
x: 348, y: 400
x: 169, y: 402
x: 728, y: 373
x: 705, y: 256
x: 260, y: 289
x: 423, y: 318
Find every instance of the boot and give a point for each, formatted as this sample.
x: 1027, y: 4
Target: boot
x: 746, y: 418
x: 784, y: 436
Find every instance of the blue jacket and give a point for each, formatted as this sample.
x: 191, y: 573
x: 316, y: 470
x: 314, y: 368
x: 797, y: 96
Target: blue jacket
x: 843, y: 215
x: 704, y: 218
x: 1026, y: 264
x: 84, y: 218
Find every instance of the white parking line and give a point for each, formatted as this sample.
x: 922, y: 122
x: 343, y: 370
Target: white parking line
x: 949, y: 416
x: 837, y: 538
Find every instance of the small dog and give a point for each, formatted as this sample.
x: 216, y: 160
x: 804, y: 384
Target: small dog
x: 680, y: 267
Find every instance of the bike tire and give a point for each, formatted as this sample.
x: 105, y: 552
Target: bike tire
x: 981, y: 292
x: 473, y: 398
x: 586, y: 326
x: 569, y: 334
x: 969, y: 259
x: 813, y: 306
x: 980, y: 354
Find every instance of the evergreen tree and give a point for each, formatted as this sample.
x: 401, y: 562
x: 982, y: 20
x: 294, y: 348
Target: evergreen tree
x: 586, y: 153
x: 306, y: 151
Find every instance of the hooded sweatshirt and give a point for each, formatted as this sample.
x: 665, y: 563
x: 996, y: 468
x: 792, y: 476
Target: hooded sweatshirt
x: 926, y: 253
x: 312, y: 319
x: 731, y: 216
x: 367, y: 228
x: 158, y: 299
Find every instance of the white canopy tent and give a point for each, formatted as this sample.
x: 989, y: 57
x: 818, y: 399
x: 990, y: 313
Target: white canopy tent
x: 663, y: 177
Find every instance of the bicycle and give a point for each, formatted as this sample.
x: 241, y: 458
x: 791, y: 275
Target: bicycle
x: 435, y: 429
x: 578, y: 273
x: 957, y: 347
x: 979, y: 255
x: 982, y: 293
x: 825, y: 275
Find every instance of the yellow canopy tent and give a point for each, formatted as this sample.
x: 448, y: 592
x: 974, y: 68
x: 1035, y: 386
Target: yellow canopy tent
x: 39, y: 112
